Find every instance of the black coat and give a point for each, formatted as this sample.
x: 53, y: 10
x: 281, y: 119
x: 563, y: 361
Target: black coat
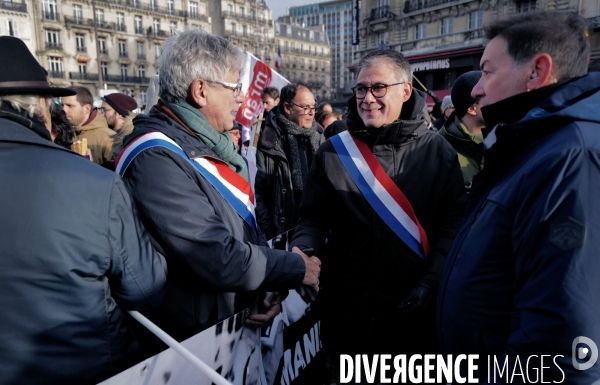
x: 369, y: 268
x: 276, y: 203
x: 74, y: 257
x: 216, y: 260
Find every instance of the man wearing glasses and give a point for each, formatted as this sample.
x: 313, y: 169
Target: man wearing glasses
x: 284, y: 154
x: 383, y: 270
x: 192, y: 189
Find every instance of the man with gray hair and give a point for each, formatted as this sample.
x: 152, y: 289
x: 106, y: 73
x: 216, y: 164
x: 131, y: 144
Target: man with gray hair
x: 74, y: 254
x: 192, y: 189
x: 382, y: 269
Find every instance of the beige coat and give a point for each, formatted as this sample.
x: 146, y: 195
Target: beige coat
x: 98, y: 136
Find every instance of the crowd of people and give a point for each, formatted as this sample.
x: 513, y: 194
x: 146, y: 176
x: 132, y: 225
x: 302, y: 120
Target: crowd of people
x: 480, y: 238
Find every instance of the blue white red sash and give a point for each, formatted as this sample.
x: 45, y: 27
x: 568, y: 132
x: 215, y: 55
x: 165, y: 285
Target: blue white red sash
x: 234, y: 188
x: 381, y: 192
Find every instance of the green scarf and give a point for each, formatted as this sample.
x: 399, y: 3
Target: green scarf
x: 220, y: 144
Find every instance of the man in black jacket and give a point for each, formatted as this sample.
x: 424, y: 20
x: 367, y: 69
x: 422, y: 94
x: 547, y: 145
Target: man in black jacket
x: 378, y: 296
x: 284, y: 154
x: 74, y: 255
x: 218, y: 259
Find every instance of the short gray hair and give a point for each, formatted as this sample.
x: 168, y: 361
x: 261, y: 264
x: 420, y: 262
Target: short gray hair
x: 195, y: 54
x: 27, y: 103
x: 396, y: 59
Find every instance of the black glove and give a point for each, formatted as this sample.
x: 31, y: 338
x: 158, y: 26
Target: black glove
x: 416, y: 298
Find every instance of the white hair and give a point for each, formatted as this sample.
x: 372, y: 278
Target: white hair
x: 27, y: 103
x: 195, y: 54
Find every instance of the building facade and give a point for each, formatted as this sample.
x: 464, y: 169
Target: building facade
x: 305, y: 57
x: 109, y: 44
x: 442, y: 39
x: 336, y: 17
x: 246, y: 23
x: 16, y: 20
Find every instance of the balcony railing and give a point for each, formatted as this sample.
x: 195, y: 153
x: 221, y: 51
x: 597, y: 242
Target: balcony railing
x: 50, y: 15
x: 121, y: 27
x: 123, y: 54
x: 145, y: 6
x: 441, y: 40
x: 141, y: 56
x: 56, y: 74
x: 379, y: 13
x: 158, y: 33
x: 108, y: 78
x: 51, y: 44
x: 139, y: 30
x: 103, y: 51
x: 81, y: 49
x: 79, y: 21
x: 195, y: 16
x: 14, y: 6
x: 416, y: 5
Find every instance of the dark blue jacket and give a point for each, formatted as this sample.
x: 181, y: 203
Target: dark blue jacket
x: 523, y: 276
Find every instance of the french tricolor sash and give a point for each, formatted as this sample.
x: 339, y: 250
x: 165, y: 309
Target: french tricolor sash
x: 234, y: 188
x: 381, y: 192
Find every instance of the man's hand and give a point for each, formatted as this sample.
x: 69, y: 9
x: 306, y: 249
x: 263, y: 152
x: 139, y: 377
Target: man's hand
x: 313, y: 270
x: 270, y: 307
x: 417, y: 298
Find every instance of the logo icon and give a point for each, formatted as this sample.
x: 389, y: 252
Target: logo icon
x: 589, y: 352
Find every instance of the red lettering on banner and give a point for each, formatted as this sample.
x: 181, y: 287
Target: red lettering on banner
x: 252, y: 106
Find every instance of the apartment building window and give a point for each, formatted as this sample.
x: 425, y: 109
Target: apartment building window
x: 244, y: 31
x: 55, y: 66
x: 475, y: 20
x: 102, y: 45
x: 420, y: 31
x: 252, y: 14
x: 157, y: 50
x: 50, y: 9
x: 135, y: 3
x: 170, y: 8
x: 11, y: 28
x: 120, y: 21
x: 143, y: 97
x: 153, y: 5
x: 104, y: 68
x: 527, y: 5
x: 100, y: 17
x: 156, y: 26
x: 139, y: 28
x: 83, y: 69
x: 242, y: 12
x: 142, y: 71
x: 52, y: 39
x: 230, y: 10
x: 77, y: 13
x: 80, y: 42
x: 124, y: 71
x: 193, y: 8
x: 122, y: 47
x: 233, y: 29
x: 447, y: 23
x: 140, y: 50
x: 173, y: 27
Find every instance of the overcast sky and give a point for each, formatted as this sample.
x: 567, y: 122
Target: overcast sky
x: 279, y: 7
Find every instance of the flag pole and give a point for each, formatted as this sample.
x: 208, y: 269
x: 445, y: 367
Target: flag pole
x: 215, y: 377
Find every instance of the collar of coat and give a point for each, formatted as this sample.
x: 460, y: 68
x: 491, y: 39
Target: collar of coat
x: 410, y: 123
x: 21, y: 117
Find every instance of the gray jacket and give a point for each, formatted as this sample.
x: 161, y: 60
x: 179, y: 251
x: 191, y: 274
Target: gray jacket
x: 216, y: 260
x: 73, y: 258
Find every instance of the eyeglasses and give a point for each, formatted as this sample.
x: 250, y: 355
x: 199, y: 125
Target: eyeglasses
x: 236, y: 87
x: 104, y: 110
x: 307, y: 109
x: 377, y: 90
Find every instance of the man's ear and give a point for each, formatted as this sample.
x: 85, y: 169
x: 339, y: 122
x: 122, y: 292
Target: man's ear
x: 198, y: 92
x: 277, y: 101
x: 286, y: 109
x: 540, y: 72
x: 406, y: 91
x: 472, y: 110
x: 87, y: 108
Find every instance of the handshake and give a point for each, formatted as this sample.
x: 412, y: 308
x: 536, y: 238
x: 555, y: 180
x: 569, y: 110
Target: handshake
x: 313, y: 269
